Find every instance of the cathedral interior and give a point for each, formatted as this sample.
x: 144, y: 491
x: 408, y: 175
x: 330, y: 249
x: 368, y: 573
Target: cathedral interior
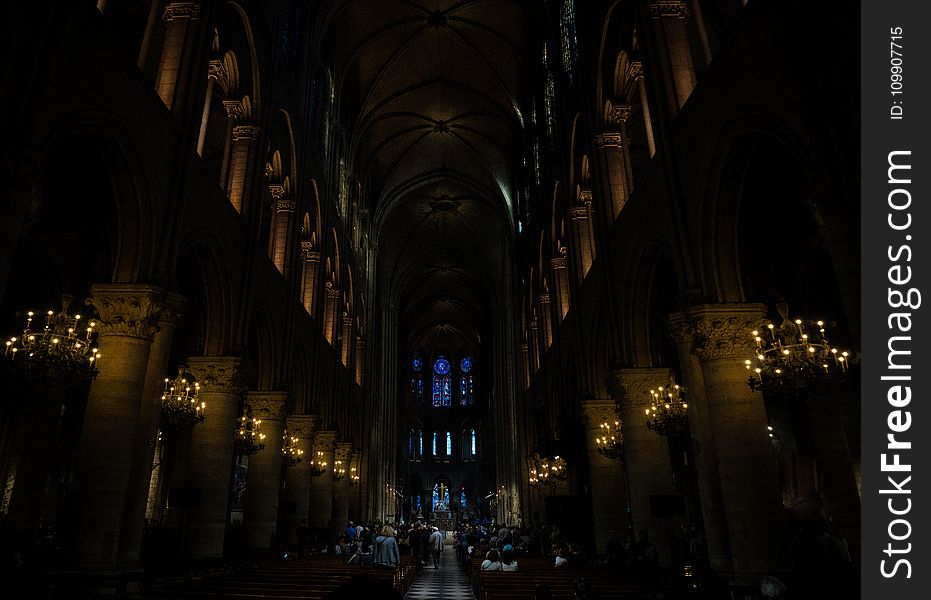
x: 586, y: 264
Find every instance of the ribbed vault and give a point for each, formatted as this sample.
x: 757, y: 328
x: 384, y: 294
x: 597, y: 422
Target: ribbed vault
x: 430, y: 94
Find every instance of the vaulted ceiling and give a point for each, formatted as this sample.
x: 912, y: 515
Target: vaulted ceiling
x: 432, y: 96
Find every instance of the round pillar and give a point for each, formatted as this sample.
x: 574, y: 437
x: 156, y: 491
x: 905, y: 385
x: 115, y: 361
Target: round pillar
x: 211, y: 453
x: 296, y: 494
x: 260, y: 516
x: 320, y: 512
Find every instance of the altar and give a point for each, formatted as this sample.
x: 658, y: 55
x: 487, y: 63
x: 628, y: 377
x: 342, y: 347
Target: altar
x: 442, y: 517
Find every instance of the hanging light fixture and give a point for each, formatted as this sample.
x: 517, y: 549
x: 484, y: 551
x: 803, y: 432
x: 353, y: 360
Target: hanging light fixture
x: 249, y: 440
x: 180, y: 405
x: 610, y: 441
x: 339, y: 471
x: 668, y: 412
x: 291, y: 455
x: 792, y: 355
x: 64, y: 351
x: 353, y: 476
x: 318, y: 466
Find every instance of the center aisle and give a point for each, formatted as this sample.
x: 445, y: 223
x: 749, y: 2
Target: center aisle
x: 449, y: 582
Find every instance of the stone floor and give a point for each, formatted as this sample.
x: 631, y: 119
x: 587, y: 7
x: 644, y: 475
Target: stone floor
x: 448, y: 582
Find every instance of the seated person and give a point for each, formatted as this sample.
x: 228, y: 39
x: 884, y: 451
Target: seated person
x: 507, y: 559
x: 492, y: 562
x: 561, y: 559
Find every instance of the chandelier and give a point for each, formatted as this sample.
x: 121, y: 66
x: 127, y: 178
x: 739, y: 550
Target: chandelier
x: 339, y: 471
x: 63, y: 351
x: 353, y: 476
x: 249, y: 440
x: 668, y: 412
x: 318, y: 465
x: 290, y: 453
x: 180, y: 406
x: 792, y: 355
x: 610, y: 442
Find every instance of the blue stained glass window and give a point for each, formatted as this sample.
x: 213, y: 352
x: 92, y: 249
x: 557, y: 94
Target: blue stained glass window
x: 474, y: 446
x: 449, y: 444
x: 549, y: 100
x: 441, y: 366
x: 417, y: 391
x: 570, y: 42
x: 442, y: 384
x: 466, y: 392
x: 434, y: 443
x: 436, y: 497
x: 417, y: 364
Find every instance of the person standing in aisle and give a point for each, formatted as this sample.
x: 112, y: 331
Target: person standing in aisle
x: 436, y: 543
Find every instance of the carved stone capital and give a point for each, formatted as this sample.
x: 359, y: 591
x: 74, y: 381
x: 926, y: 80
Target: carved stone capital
x: 234, y: 109
x: 669, y: 8
x: 310, y: 255
x: 344, y: 453
x: 268, y: 406
x: 285, y: 206
x: 632, y: 386
x: 132, y: 309
x: 634, y: 70
x: 302, y: 426
x: 246, y: 132
x: 324, y: 441
x: 544, y: 298
x: 332, y: 293
x: 579, y: 212
x: 222, y: 374
x: 181, y: 10
x: 718, y: 331
x: 621, y: 113
x: 216, y: 70
x: 171, y: 308
x: 558, y: 262
x: 609, y: 139
x: 598, y: 411
x: 276, y: 190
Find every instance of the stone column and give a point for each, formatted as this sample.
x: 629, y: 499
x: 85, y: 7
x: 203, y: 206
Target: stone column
x: 297, y: 478
x: 354, y: 487
x: 581, y: 215
x: 345, y: 343
x: 245, y: 138
x: 283, y: 228
x: 606, y: 476
x: 341, y: 488
x: 214, y: 71
x: 546, y: 318
x: 360, y: 360
x: 150, y: 410
x: 709, y: 484
x: 562, y: 285
x: 534, y: 343
x: 636, y: 73
x: 260, y: 507
x: 670, y: 17
x: 128, y: 320
x: 613, y: 146
x: 329, y: 312
x: 525, y: 363
x: 752, y: 502
x: 211, y: 455
x: 309, y: 284
x: 321, y: 487
x: 180, y: 18
x: 646, y: 454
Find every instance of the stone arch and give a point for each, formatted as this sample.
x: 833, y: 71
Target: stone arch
x: 122, y: 208
x: 262, y: 350
x: 204, y: 281
x: 725, y: 196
